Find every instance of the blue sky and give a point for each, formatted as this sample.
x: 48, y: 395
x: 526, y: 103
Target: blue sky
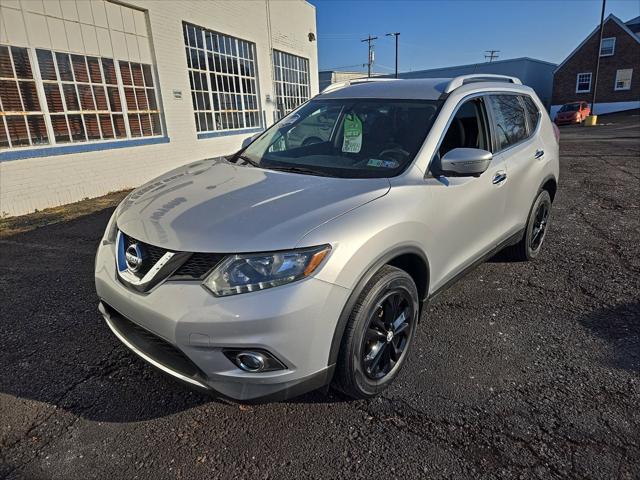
x: 443, y: 33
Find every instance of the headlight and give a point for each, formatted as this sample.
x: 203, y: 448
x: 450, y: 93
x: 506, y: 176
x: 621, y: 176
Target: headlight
x: 253, y: 272
x: 111, y: 231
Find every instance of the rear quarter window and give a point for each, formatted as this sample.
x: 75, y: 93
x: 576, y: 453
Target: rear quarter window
x: 509, y: 121
x: 532, y: 112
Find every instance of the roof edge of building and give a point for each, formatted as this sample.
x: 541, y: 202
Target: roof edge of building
x: 612, y: 17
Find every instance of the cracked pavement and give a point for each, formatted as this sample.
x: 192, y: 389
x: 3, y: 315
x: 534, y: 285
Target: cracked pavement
x: 521, y: 370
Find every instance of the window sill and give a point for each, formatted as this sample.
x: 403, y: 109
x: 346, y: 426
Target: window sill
x: 50, y: 151
x: 225, y: 133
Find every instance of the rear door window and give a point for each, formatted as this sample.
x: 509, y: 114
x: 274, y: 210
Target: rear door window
x: 509, y: 121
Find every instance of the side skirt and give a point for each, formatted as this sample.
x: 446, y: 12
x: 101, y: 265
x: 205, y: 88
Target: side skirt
x: 512, y: 240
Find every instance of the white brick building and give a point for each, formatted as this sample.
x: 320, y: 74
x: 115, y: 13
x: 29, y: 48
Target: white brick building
x: 98, y: 95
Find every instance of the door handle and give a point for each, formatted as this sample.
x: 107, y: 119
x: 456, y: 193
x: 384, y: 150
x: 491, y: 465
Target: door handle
x: 539, y: 154
x: 499, y: 177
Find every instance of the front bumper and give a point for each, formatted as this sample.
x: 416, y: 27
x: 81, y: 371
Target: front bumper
x: 180, y: 328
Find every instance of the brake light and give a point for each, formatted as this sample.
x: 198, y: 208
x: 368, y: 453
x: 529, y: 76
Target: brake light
x: 556, y: 132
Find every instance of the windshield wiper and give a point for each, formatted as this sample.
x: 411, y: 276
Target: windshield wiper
x: 302, y: 170
x: 246, y: 159
x: 305, y: 171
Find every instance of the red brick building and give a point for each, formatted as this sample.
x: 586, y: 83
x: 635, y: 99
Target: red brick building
x: 618, y: 86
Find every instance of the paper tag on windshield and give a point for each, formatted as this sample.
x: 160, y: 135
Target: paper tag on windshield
x: 352, y: 142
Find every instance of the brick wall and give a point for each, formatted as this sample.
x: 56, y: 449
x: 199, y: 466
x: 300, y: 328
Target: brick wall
x: 35, y: 183
x: 627, y: 55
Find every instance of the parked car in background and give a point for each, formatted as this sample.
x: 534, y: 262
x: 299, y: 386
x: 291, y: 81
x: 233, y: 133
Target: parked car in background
x: 306, y: 258
x: 574, y: 112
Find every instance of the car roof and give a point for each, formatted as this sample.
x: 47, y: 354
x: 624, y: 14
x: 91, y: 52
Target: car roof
x: 410, y: 89
x: 417, y: 88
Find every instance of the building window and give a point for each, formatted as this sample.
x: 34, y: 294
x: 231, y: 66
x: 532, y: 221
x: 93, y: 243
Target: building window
x: 583, y: 82
x: 21, y: 119
x: 292, y: 81
x: 83, y: 97
x: 623, y: 79
x: 607, y: 46
x: 142, y: 109
x: 223, y: 77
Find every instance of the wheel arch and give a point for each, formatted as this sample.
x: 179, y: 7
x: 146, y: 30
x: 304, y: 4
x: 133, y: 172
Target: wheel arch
x: 408, y: 258
x: 550, y: 184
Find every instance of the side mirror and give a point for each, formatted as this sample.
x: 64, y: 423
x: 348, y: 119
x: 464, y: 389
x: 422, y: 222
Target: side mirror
x: 465, y: 162
x: 249, y: 140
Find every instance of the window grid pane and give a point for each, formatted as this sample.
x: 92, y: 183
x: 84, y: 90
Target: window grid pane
x: 223, y: 78
x: 84, y: 101
x: 607, y: 47
x: 22, y: 121
x: 140, y: 98
x: 292, y: 81
x: 583, y: 82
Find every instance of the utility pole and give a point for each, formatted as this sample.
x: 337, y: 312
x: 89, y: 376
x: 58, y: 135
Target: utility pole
x: 369, y: 39
x: 491, y: 54
x: 595, y: 80
x: 396, y: 35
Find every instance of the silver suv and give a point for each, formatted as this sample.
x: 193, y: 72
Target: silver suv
x: 295, y: 264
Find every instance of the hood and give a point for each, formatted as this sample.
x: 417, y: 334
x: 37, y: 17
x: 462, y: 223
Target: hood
x: 217, y: 206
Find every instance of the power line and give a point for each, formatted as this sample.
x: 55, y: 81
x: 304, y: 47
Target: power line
x: 369, y: 39
x: 491, y: 55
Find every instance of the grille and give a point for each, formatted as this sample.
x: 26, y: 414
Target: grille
x: 195, y: 268
x: 198, y: 265
x: 154, y: 254
x: 155, y: 347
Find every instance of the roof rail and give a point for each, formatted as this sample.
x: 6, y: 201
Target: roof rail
x: 353, y: 81
x: 479, y: 77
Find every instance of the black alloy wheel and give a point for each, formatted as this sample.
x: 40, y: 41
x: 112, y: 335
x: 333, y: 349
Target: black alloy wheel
x: 388, y: 334
x: 539, y: 226
x: 529, y: 247
x: 378, y: 334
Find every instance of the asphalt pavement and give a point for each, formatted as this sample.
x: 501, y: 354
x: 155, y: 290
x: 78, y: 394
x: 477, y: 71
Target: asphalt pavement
x: 521, y: 370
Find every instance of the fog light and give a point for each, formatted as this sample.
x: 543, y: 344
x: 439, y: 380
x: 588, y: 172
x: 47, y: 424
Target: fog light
x: 250, y: 361
x: 254, y: 361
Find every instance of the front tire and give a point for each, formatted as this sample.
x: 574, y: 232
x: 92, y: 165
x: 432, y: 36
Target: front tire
x: 531, y: 244
x: 378, y: 334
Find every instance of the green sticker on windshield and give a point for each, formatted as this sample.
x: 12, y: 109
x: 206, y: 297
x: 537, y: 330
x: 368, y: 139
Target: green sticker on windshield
x: 352, y: 142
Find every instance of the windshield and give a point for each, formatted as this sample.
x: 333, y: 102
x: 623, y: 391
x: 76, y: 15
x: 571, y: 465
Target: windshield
x: 570, y: 107
x: 354, y: 138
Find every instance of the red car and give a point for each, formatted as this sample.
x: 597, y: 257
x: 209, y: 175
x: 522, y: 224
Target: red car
x: 574, y: 112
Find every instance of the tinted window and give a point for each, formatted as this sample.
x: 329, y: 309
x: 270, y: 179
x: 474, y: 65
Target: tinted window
x: 532, y: 111
x: 510, y: 124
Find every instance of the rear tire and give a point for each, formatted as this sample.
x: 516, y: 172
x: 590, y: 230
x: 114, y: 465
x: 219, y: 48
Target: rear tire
x: 378, y: 334
x: 531, y: 244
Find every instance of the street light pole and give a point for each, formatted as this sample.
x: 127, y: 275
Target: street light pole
x: 595, y: 80
x: 396, y: 35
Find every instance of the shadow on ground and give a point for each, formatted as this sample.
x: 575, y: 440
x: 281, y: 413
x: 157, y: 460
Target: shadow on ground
x: 620, y: 328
